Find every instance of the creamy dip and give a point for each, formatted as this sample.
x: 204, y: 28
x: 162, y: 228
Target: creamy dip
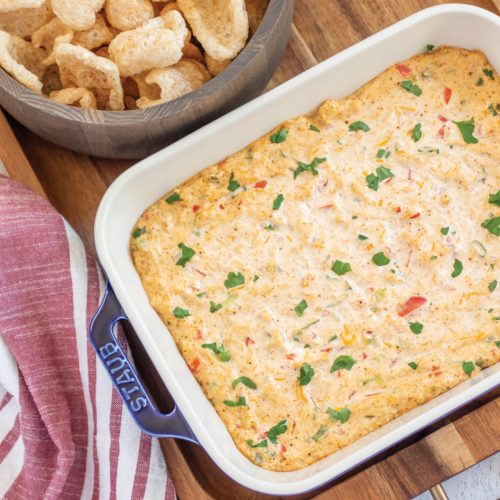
x: 342, y: 269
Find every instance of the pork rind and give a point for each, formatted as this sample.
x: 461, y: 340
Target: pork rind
x: 20, y: 61
x: 191, y: 51
x: 79, y: 67
x: 78, y: 14
x: 175, y: 81
x: 130, y: 103
x: 24, y: 22
x: 130, y: 87
x: 221, y: 26
x: 79, y: 97
x: 215, y: 67
x: 150, y: 91
x: 158, y: 6
x: 102, y: 52
x: 95, y: 37
x: 256, y: 10
x: 50, y: 36
x: 128, y: 14
x: 174, y: 21
x: 170, y: 6
x: 11, y: 5
x: 29, y: 56
x: 147, y: 47
x: 51, y: 80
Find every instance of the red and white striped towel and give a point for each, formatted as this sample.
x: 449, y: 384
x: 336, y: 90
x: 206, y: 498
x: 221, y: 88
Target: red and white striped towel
x: 63, y: 430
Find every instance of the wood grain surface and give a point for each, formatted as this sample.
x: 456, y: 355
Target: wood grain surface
x: 75, y: 183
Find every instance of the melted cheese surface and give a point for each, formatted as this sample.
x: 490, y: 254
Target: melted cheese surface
x: 363, y: 319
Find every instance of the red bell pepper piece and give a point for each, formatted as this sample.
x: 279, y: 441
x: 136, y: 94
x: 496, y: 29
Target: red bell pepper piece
x: 410, y: 305
x: 447, y: 94
x: 403, y: 69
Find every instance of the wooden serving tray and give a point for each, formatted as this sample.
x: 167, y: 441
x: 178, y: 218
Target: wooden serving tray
x: 75, y: 184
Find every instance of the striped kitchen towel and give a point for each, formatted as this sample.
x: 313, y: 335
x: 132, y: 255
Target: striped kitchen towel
x: 63, y: 430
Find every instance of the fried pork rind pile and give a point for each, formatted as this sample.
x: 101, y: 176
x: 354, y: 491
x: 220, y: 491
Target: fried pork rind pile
x: 122, y: 54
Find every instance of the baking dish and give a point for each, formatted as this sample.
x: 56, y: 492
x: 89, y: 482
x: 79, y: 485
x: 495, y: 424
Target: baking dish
x: 194, y: 418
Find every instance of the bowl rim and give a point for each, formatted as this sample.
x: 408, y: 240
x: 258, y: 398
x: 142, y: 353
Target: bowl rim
x: 275, y: 12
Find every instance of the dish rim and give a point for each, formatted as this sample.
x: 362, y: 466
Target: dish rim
x: 393, y: 432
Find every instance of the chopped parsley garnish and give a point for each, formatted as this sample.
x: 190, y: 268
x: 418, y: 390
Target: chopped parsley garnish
x: 492, y: 225
x: 380, y: 259
x: 383, y: 153
x: 311, y: 167
x: 255, y: 277
x: 494, y: 198
x: 139, y: 232
x: 270, y: 227
x: 467, y: 129
x: 181, y: 313
x: 468, y: 367
x: 218, y: 350
x: 340, y: 268
x: 273, y: 433
x: 434, y: 257
x: 234, y: 279
x: 320, y: 433
x: 247, y: 382
x: 343, y: 363
x: 479, y: 82
x: 362, y: 237
x: 279, y: 136
x: 241, y: 401
x: 372, y: 181
x: 342, y: 415
x: 497, y: 343
x: 492, y: 286
x: 334, y: 337
x: 413, y: 365
x: 359, y: 125
x: 416, y: 133
x: 300, y: 308
x: 278, y: 201
x: 384, y: 173
x: 232, y: 185
x: 429, y: 150
x: 429, y: 47
x: 314, y: 128
x: 201, y: 294
x: 445, y: 230
x: 416, y: 327
x: 173, y: 198
x: 261, y: 444
x: 214, y: 307
x: 492, y: 110
x: 409, y: 86
x: 187, y: 255
x: 457, y: 268
x: 306, y: 374
x: 488, y: 73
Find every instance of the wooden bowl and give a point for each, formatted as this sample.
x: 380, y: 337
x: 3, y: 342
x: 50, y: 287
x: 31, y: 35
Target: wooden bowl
x: 139, y: 133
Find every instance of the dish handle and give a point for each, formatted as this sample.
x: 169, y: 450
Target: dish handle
x: 125, y: 377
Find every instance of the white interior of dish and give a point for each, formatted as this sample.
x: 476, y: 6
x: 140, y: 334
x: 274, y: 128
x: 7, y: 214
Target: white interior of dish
x: 142, y: 185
